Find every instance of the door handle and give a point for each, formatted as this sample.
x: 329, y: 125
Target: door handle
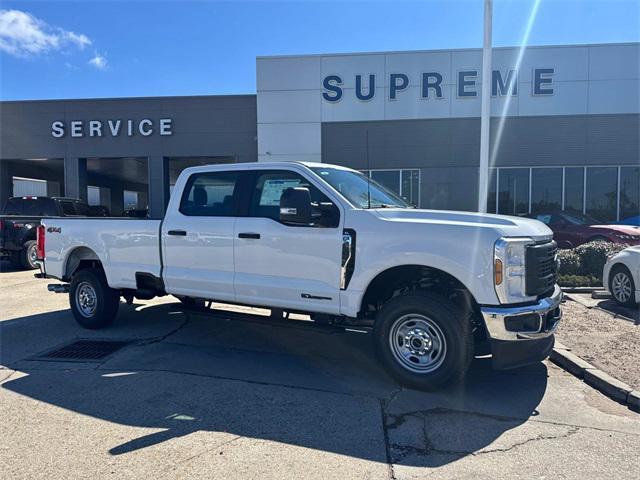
x: 255, y: 236
x: 178, y: 233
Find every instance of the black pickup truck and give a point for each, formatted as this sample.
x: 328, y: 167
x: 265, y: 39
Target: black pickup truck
x: 20, y: 217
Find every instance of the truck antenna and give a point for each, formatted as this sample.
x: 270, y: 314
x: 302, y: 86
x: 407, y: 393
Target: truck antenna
x: 368, y: 170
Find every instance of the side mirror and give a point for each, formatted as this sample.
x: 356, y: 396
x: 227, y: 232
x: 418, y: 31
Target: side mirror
x: 295, y: 206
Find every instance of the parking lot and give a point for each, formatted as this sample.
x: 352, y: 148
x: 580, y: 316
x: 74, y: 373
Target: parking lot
x: 228, y: 396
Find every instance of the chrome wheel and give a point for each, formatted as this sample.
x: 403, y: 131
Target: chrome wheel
x: 417, y: 343
x: 86, y: 299
x: 621, y: 287
x: 32, y: 255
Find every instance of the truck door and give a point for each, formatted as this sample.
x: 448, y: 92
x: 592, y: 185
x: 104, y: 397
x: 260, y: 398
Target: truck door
x: 285, y: 266
x: 198, y: 237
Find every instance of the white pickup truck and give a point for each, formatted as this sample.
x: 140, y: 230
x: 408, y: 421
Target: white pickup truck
x: 434, y: 288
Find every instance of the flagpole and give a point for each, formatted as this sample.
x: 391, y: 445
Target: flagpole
x: 485, y: 112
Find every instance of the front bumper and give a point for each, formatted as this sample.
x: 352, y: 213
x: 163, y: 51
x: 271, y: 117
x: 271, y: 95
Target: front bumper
x: 522, y: 334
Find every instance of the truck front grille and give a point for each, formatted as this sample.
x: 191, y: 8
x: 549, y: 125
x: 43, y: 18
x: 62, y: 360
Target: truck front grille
x: 541, y: 268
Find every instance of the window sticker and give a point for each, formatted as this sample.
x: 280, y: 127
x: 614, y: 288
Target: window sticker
x: 272, y: 190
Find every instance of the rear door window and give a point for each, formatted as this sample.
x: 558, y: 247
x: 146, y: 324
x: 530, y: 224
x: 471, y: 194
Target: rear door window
x: 210, y: 194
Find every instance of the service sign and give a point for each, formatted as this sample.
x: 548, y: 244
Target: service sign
x: 112, y: 128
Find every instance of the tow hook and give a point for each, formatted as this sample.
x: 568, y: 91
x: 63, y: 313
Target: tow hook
x: 58, y: 287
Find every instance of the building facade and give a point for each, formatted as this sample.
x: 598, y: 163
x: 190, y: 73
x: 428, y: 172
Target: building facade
x: 564, y: 130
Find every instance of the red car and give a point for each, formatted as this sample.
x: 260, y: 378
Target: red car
x: 573, y: 229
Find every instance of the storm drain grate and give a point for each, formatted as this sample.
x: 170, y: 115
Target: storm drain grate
x: 84, y: 351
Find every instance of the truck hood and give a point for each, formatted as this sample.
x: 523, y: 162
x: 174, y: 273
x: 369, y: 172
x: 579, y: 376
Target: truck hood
x: 506, y: 226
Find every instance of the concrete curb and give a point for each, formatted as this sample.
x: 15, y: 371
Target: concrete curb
x: 581, y: 289
x: 596, y: 378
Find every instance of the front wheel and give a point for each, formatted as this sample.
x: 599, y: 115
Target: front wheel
x: 621, y: 286
x: 424, y: 340
x: 93, y: 303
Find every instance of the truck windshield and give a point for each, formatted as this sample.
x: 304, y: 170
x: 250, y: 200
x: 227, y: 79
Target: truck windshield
x: 360, y: 190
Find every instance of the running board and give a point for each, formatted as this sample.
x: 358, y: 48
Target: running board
x: 282, y: 322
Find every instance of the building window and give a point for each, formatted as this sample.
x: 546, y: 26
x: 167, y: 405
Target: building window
x: 404, y: 182
x: 607, y: 194
x: 601, y: 193
x: 546, y: 189
x: 513, y: 191
x: 629, y: 192
x: 574, y: 189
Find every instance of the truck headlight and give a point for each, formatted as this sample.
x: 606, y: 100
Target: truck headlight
x: 509, y: 269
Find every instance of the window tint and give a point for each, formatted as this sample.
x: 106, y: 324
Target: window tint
x: 602, y: 187
x: 210, y: 194
x: 546, y: 189
x: 67, y: 208
x: 629, y: 192
x: 265, y: 201
x: 13, y: 207
x: 513, y: 194
x: 38, y: 207
x: 574, y: 189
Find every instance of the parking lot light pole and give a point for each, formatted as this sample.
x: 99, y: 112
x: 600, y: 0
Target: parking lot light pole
x: 485, y: 112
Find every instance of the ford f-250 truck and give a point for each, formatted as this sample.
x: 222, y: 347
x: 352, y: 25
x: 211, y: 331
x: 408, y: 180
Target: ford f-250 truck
x: 434, y: 288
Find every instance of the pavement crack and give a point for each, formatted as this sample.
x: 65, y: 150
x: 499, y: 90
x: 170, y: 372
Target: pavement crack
x: 387, y: 445
x: 538, y: 438
x: 150, y: 341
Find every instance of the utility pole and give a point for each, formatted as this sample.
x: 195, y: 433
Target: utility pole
x: 485, y: 113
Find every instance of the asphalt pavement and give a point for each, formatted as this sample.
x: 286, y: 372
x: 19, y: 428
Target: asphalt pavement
x: 234, y: 396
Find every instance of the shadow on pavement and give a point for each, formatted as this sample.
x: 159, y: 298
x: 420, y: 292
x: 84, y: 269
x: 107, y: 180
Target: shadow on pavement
x: 627, y: 313
x: 288, y: 384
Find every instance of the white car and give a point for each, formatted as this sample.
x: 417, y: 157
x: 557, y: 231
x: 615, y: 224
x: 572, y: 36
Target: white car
x: 621, y: 276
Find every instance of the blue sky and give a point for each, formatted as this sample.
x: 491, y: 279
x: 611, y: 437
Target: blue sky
x: 56, y: 49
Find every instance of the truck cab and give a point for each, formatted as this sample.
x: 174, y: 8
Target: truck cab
x: 434, y: 288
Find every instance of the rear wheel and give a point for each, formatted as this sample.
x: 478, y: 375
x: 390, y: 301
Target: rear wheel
x: 29, y: 255
x: 621, y: 286
x: 424, y: 340
x: 93, y: 303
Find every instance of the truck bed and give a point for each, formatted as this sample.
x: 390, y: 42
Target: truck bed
x: 123, y: 245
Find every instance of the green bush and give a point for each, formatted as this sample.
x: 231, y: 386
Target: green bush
x: 582, y: 266
x: 579, y: 281
x: 570, y: 263
x: 593, y: 256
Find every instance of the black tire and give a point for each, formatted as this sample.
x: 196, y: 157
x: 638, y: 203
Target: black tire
x: 92, y: 283
x: 443, y: 319
x: 28, y: 255
x: 622, y: 286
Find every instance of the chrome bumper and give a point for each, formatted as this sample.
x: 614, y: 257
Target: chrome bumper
x: 547, y: 312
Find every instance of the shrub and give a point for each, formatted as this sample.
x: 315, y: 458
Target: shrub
x: 578, y: 281
x: 593, y: 256
x: 569, y: 262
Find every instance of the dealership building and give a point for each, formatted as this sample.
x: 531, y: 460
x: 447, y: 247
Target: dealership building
x: 565, y: 130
